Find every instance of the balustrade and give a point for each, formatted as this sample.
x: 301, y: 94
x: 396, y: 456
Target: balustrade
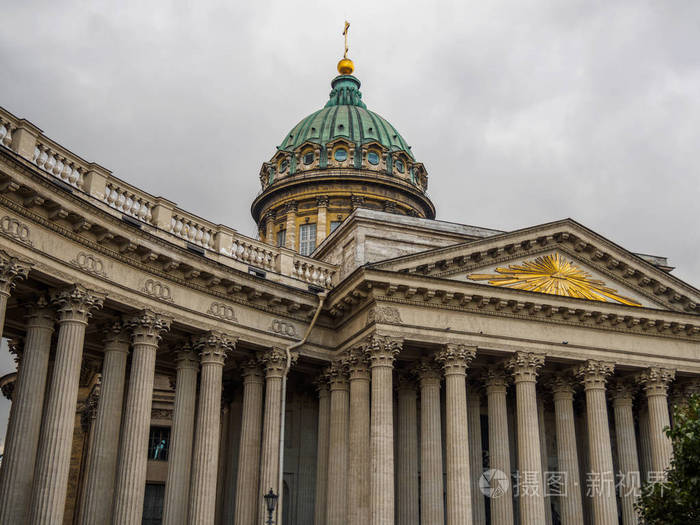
x: 127, y: 201
x: 254, y: 253
x: 313, y: 272
x: 192, y: 230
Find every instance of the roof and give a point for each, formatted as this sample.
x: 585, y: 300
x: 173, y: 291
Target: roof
x: 345, y: 116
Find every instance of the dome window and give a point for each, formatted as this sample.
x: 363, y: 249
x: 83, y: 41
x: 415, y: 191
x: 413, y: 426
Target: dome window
x: 341, y: 127
x: 400, y: 166
x: 373, y: 158
x: 308, y: 157
x: 283, y: 166
x: 370, y: 130
x: 341, y: 155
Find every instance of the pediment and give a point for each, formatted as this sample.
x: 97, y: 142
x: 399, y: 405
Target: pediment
x: 556, y: 272
x: 559, y: 258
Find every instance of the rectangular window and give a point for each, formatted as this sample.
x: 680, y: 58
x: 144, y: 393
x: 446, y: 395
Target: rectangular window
x: 307, y: 238
x: 281, y: 237
x: 158, y: 443
x: 335, y: 224
x: 153, y: 504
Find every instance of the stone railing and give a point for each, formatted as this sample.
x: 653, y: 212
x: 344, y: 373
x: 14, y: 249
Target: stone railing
x: 127, y: 199
x: 313, y: 272
x: 193, y: 229
x: 97, y: 182
x: 255, y: 253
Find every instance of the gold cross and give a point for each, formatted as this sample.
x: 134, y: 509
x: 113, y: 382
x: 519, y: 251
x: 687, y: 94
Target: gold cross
x: 345, y: 33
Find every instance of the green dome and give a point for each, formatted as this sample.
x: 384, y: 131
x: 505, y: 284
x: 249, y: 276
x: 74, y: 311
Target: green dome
x: 345, y: 116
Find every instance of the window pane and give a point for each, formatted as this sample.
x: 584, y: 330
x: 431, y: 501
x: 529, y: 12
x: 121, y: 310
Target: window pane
x: 281, y: 237
x: 307, y: 238
x: 158, y: 443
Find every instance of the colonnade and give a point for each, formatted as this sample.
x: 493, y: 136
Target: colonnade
x: 35, y: 468
x: 433, y: 479
x: 436, y: 470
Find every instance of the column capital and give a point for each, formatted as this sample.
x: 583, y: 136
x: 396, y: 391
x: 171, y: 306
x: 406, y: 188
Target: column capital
x: 252, y: 372
x: 322, y: 201
x: 428, y: 372
x: 271, y: 215
x: 40, y: 314
x: 381, y: 350
x: 655, y: 380
x: 186, y: 358
x: 525, y: 366
x: 76, y: 303
x: 357, y: 364
x: 495, y: 379
x: 594, y: 374
x: 405, y: 382
x: 622, y: 391
x: 455, y: 358
x: 116, y: 336
x: 214, y: 346
x: 147, y: 327
x: 563, y: 385
x: 11, y: 269
x: 275, y: 361
x: 321, y: 382
x: 292, y: 207
x: 338, y: 376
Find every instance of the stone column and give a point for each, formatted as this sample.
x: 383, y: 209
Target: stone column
x: 147, y: 328
x: 655, y: 382
x: 358, y: 450
x: 381, y: 352
x: 22, y: 437
x: 321, y: 218
x: 177, y: 486
x: 593, y: 375
x: 75, y: 305
x: 11, y: 270
x: 290, y: 239
x: 644, y: 441
x: 275, y: 361
x: 270, y: 228
x: 247, y: 502
x: 407, y: 512
x: 543, y: 456
x: 524, y: 366
x: 455, y: 359
x: 567, y: 454
x: 431, y: 487
x: 501, y: 499
x: 223, y: 456
x: 102, y: 458
x: 324, y: 421
x: 476, y: 454
x: 212, y: 348
x: 622, y: 392
x: 336, y: 509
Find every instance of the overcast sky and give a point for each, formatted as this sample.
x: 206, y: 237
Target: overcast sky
x: 523, y: 112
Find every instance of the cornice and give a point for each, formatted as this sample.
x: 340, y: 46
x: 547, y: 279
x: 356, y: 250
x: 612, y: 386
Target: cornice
x: 147, y: 269
x: 639, y: 274
x: 430, y: 292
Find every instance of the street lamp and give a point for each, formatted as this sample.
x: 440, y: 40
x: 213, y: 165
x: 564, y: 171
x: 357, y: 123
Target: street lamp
x: 270, y: 503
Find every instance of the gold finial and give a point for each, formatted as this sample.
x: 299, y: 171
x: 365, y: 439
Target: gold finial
x: 345, y: 66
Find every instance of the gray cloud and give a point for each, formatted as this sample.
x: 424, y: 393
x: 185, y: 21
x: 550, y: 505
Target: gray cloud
x: 523, y: 112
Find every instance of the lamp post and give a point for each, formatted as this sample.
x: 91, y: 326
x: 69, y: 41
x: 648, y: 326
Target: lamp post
x: 271, y: 504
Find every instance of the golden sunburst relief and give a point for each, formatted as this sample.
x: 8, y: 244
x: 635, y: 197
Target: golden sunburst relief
x: 553, y: 275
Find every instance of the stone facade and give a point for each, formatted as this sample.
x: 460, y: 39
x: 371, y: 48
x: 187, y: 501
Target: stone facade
x: 157, y: 347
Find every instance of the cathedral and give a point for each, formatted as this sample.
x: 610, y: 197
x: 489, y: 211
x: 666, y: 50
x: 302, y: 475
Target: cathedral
x: 360, y: 362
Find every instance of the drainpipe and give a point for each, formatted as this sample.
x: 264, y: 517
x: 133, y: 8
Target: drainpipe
x: 288, y: 350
